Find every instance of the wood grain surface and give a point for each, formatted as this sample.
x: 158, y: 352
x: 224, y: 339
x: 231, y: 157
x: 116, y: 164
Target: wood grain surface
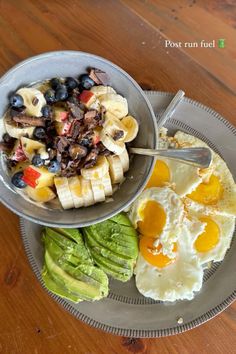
x: 132, y: 34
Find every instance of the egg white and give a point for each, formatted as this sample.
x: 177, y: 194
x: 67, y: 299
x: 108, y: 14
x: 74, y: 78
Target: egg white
x: 226, y: 205
x: 173, y: 208
x: 226, y: 226
x: 184, y: 178
x: 179, y: 280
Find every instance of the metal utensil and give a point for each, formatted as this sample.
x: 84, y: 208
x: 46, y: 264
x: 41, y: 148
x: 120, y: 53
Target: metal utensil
x: 170, y: 108
x: 199, y: 156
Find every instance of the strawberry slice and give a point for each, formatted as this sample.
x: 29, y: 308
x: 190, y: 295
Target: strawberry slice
x: 31, y: 176
x: 86, y: 97
x: 19, y: 154
x: 63, y: 116
x: 66, y: 128
x: 96, y: 139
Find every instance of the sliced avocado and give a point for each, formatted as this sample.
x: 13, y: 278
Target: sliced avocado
x: 95, y: 251
x: 117, y: 236
x: 106, y: 253
x: 58, y: 252
x: 121, y: 219
x: 70, y: 246
x: 112, y: 227
x: 90, y: 274
x: 121, y: 241
x: 78, y: 288
x: 84, y: 272
x: 73, y: 234
x: 57, y: 288
x: 111, y: 268
x: 110, y: 244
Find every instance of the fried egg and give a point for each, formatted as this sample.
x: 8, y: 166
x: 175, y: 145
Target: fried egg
x: 182, y: 178
x: 165, y: 279
x: 218, y: 190
x: 158, y: 214
x: 215, y: 239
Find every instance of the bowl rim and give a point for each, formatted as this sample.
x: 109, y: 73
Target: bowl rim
x: 154, y: 121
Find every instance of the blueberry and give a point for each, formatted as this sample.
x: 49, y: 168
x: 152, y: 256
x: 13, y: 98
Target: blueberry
x: 17, y: 180
x: 6, y: 138
x: 50, y: 96
x: 61, y: 93
x: 86, y: 81
x: 37, y: 161
x: 71, y: 83
x: 39, y: 133
x: 80, y: 87
x: 54, y: 166
x: 46, y: 111
x: 72, y: 99
x: 55, y: 82
x: 16, y: 100
x: 85, y: 142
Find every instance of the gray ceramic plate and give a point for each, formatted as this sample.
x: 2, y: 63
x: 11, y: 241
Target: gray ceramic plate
x: 125, y: 311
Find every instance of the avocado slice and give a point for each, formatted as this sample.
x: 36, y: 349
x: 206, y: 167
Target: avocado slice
x: 112, y: 227
x: 70, y: 246
x: 121, y: 219
x: 109, y: 243
x: 117, y: 233
x: 58, y: 253
x: 105, y: 252
x: 76, y: 287
x: 90, y: 274
x: 111, y: 269
x: 73, y: 234
x: 117, y: 236
x: 108, y: 262
x: 57, y: 288
x: 84, y: 272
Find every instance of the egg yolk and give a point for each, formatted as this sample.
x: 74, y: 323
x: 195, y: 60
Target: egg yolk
x: 210, y: 236
x: 152, y: 254
x: 208, y: 193
x: 160, y: 175
x: 153, y: 219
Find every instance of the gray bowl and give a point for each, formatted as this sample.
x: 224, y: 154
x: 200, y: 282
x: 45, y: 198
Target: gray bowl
x: 73, y: 63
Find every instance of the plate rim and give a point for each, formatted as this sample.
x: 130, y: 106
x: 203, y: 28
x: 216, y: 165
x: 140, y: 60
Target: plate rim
x: 137, y: 333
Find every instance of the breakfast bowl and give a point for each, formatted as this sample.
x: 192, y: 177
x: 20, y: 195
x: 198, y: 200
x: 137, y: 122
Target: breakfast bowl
x: 73, y: 64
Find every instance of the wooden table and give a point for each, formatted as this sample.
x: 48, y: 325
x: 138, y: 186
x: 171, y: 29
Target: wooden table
x: 132, y: 34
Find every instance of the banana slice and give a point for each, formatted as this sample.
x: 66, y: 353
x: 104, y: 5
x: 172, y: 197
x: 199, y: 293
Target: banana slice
x: 87, y: 192
x: 98, y: 190
x: 106, y: 181
x: 41, y: 195
x: 16, y: 132
x: 115, y: 169
x: 33, y: 100
x: 115, y: 104
x: 131, y: 125
x: 97, y: 171
x: 102, y: 90
x: 43, y: 153
x: 63, y: 192
x: 95, y: 105
x: 30, y: 147
x: 115, y: 146
x: 76, y: 191
x: 112, y: 125
x: 124, y: 159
